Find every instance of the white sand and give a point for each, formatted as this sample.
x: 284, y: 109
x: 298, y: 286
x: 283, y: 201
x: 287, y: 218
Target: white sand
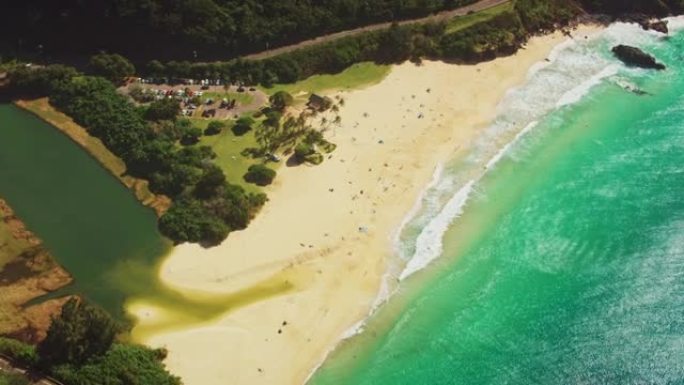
x: 307, y: 237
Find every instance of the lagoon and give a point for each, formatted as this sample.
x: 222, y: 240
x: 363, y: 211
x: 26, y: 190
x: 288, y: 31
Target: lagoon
x: 92, y: 224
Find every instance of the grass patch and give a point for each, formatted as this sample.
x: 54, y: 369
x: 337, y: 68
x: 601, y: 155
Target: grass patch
x: 10, y: 247
x: 462, y: 22
x: 357, y: 76
x: 243, y: 98
x: 228, y: 148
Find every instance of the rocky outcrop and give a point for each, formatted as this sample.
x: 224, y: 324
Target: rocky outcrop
x: 635, y: 57
x: 657, y: 25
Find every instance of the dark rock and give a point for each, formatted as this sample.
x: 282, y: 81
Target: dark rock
x: 657, y: 25
x: 633, y: 56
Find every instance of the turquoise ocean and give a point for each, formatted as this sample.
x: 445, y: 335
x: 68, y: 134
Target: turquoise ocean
x: 553, y: 251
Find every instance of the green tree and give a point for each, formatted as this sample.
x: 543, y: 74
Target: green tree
x: 260, y: 175
x: 280, y: 100
x: 155, y: 69
x: 211, y: 181
x: 191, y: 135
x: 215, y: 127
x: 111, y: 66
x: 303, y: 150
x: 81, y: 332
x: 242, y: 126
x: 165, y: 109
x: 123, y: 364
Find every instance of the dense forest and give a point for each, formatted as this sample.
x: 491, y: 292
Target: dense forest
x: 189, y: 29
x: 218, y: 29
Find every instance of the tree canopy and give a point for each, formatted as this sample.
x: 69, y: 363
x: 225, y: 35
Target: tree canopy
x: 197, y: 29
x: 81, y: 332
x: 260, y: 175
x: 112, y: 67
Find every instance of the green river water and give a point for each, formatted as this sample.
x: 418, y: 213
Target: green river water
x: 566, y: 265
x: 92, y: 224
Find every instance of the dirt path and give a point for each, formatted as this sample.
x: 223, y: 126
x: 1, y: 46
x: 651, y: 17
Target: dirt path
x: 476, y: 7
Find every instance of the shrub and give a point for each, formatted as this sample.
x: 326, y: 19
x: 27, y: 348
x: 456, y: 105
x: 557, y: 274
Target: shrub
x: 191, y: 135
x: 23, y: 354
x: 122, y: 364
x: 165, y: 109
x: 214, y: 128
x: 243, y: 126
x: 260, y: 175
x: 303, y: 150
x: 281, y: 99
x: 111, y: 66
x: 81, y: 332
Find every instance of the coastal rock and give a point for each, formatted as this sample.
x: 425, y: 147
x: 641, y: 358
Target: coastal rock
x: 633, y: 56
x: 657, y: 25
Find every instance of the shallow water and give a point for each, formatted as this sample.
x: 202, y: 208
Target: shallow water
x: 565, y: 265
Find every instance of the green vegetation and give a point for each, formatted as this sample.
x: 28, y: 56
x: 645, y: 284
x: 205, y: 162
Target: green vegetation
x: 13, y: 379
x: 281, y: 100
x: 79, y: 333
x: 23, y: 354
x: 242, y: 98
x: 473, y: 38
x: 458, y: 23
x: 150, y: 151
x: 228, y: 148
x: 112, y: 67
x: 214, y: 127
x: 121, y: 365
x: 164, y: 109
x: 303, y: 151
x: 80, y: 350
x: 356, y: 76
x: 205, y: 30
x: 260, y: 175
x: 243, y: 125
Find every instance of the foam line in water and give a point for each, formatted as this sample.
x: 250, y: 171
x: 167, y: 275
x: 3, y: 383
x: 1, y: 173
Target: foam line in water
x: 576, y: 94
x: 429, y: 244
x: 436, y: 177
x: 496, y: 158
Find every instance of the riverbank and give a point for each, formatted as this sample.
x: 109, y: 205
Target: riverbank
x: 325, y: 237
x: 27, y: 271
x: 94, y: 146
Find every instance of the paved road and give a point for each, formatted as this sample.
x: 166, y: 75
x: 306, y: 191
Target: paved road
x: 475, y: 7
x: 7, y: 367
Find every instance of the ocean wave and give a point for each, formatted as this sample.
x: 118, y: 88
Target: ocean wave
x: 429, y: 244
x: 573, y: 69
x: 576, y: 94
x: 436, y: 177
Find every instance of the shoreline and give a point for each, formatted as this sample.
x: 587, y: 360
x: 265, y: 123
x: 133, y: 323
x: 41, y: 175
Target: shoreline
x: 96, y: 149
x: 335, y: 257
x: 41, y: 275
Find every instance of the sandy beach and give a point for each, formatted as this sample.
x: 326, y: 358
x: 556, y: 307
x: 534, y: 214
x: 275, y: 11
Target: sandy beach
x: 312, y: 262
